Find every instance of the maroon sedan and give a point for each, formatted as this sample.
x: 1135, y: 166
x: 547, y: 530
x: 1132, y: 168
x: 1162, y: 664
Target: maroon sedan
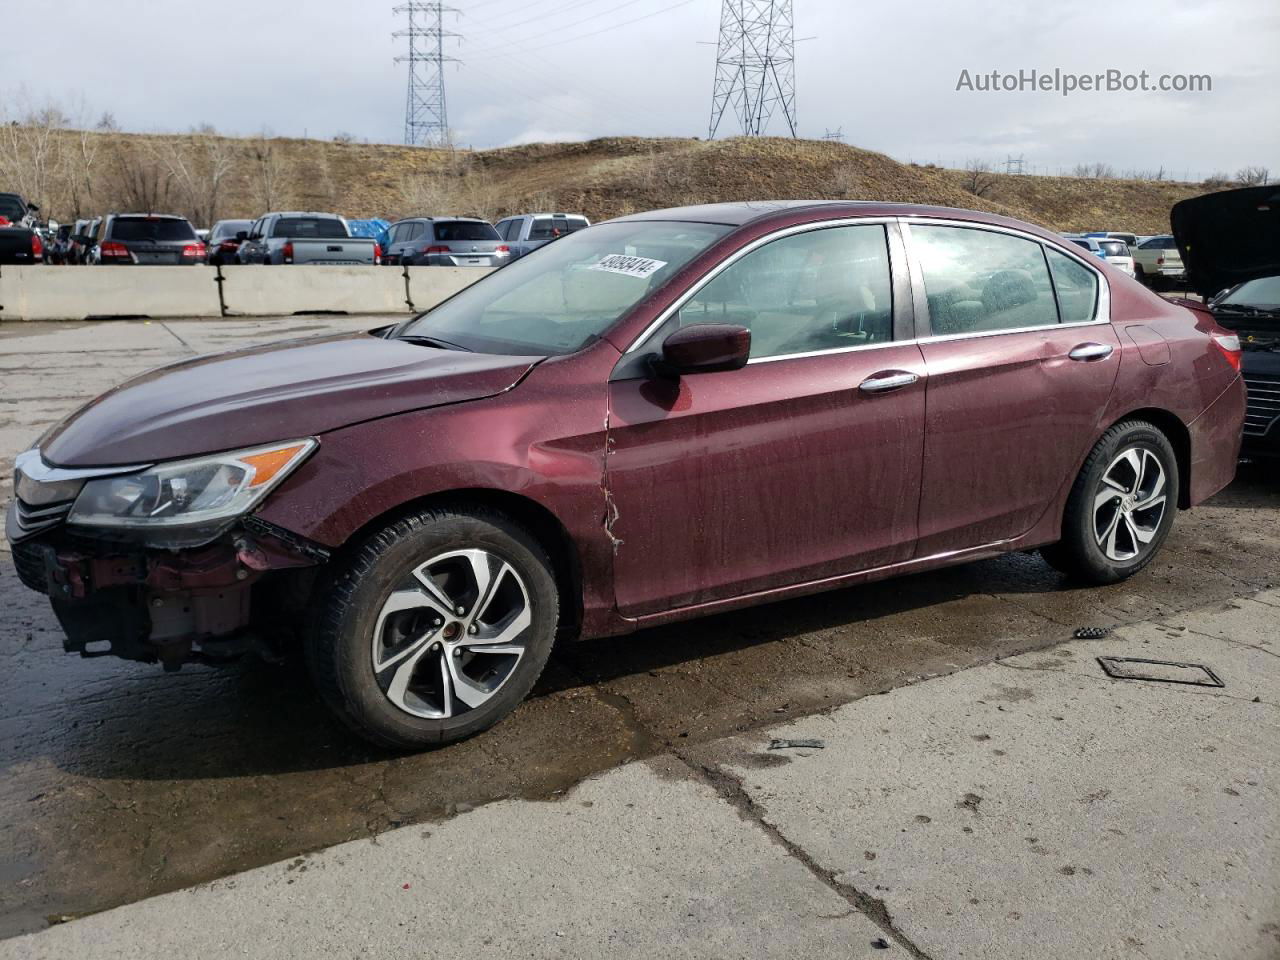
x: 661, y: 416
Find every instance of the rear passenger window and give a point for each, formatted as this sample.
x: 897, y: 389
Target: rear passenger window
x: 1077, y: 287
x: 820, y: 290
x: 979, y: 280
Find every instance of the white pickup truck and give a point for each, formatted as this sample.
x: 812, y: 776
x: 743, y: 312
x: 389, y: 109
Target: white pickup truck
x: 305, y: 238
x: 1157, y: 262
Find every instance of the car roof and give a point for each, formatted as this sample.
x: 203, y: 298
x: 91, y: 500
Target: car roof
x: 147, y: 216
x: 759, y: 213
x: 303, y: 213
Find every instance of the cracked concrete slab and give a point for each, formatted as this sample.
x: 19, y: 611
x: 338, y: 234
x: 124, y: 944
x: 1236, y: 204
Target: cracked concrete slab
x: 1034, y: 806
x: 643, y: 861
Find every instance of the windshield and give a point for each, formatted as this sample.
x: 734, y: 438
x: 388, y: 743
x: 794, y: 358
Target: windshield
x: 1263, y: 292
x: 325, y: 228
x: 1114, y: 248
x: 12, y: 209
x: 141, y: 228
x: 569, y: 293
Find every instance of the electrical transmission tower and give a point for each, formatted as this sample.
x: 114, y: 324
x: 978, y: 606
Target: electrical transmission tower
x: 426, y: 118
x: 755, y: 65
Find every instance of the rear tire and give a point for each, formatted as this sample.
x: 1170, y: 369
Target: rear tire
x: 1121, y: 507
x: 399, y: 650
x: 1140, y: 275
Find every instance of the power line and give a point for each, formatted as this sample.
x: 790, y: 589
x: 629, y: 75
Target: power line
x: 755, y: 65
x: 426, y: 115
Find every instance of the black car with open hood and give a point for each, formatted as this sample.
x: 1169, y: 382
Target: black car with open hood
x: 1230, y: 244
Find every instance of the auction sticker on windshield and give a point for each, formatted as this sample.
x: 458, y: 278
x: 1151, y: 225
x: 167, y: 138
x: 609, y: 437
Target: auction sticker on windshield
x: 629, y: 266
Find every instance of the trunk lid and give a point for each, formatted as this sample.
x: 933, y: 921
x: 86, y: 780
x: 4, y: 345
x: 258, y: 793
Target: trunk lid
x: 1228, y: 237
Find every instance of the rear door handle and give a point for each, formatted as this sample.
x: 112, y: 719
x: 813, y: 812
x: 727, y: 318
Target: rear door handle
x: 882, y: 382
x: 1091, y: 351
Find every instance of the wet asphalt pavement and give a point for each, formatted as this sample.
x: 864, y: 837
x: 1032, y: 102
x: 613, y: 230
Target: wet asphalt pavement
x: 118, y: 782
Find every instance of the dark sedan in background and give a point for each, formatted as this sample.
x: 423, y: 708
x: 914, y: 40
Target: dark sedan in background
x: 1230, y: 244
x: 224, y: 240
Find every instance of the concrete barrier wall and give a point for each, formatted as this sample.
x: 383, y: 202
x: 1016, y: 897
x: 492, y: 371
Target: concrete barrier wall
x: 78, y: 293
x: 257, y: 290
x: 429, y: 285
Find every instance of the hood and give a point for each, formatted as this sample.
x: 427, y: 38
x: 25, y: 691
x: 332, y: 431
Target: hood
x: 275, y: 392
x: 1229, y: 237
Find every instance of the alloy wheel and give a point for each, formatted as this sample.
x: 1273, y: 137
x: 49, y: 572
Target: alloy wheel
x: 1130, y: 504
x: 450, y: 636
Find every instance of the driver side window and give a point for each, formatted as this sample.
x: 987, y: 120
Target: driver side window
x: 824, y: 289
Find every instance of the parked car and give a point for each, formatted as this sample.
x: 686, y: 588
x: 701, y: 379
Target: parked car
x: 59, y: 250
x: 145, y: 239
x: 20, y: 239
x: 1230, y: 243
x: 308, y: 239
x: 1117, y: 253
x: 669, y: 414
x: 1086, y: 243
x: 81, y: 239
x: 446, y: 242
x: 1157, y: 262
x: 224, y: 240
x: 526, y: 232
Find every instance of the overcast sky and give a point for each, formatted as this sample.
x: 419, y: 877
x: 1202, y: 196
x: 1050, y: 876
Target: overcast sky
x: 885, y: 72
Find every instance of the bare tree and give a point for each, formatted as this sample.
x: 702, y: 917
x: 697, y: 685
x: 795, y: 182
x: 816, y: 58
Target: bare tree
x: 1253, y: 176
x: 978, y: 178
x: 268, y: 172
x: 137, y: 178
x: 197, y: 169
x: 30, y: 150
x: 1097, y: 171
x: 1216, y: 181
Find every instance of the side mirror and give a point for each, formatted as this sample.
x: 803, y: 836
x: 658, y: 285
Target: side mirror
x: 32, y: 207
x: 706, y: 347
x: 242, y: 235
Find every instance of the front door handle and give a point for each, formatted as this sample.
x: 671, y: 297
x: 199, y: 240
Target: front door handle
x: 1091, y: 351
x: 883, y: 382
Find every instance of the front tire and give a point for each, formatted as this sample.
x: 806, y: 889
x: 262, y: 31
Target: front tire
x: 1121, y: 508
x: 435, y: 628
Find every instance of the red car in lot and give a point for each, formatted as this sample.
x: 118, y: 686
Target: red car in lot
x: 662, y: 416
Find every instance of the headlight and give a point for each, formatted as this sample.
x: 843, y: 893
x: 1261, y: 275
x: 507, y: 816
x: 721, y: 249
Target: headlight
x: 194, y: 500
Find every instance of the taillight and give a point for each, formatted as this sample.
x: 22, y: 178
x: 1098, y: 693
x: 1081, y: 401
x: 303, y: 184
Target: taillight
x: 1229, y: 344
x: 377, y: 253
x: 287, y: 252
x: 111, y: 250
x: 231, y: 246
x: 436, y: 249
x: 503, y: 248
x: 1159, y: 261
x: 192, y: 251
x: 37, y: 247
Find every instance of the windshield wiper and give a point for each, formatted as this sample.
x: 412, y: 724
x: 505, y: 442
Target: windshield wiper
x: 1243, y: 310
x: 434, y: 342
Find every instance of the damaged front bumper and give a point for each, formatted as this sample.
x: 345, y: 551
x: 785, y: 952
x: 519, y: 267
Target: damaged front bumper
x: 210, y: 604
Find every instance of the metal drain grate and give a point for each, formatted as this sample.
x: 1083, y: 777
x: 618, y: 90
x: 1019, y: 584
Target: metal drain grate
x: 1163, y: 671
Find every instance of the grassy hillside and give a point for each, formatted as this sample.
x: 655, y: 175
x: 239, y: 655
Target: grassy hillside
x: 207, y: 177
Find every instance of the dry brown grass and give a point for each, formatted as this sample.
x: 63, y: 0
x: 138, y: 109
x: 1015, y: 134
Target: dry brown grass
x: 602, y: 178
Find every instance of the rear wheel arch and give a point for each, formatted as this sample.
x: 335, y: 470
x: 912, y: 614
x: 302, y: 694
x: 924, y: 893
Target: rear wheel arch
x: 1179, y: 437
x: 538, y: 520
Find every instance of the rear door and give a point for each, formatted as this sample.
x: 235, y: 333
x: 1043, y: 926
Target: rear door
x: 467, y: 243
x: 801, y: 466
x: 1021, y: 359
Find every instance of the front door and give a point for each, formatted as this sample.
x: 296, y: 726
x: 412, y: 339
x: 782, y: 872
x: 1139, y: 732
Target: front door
x: 1020, y: 372
x: 803, y: 465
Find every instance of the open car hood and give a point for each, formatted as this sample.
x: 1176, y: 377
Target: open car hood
x: 1229, y: 237
x: 279, y: 391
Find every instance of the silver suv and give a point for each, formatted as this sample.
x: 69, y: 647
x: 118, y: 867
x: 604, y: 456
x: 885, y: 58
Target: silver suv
x: 527, y: 232
x: 445, y: 242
